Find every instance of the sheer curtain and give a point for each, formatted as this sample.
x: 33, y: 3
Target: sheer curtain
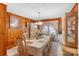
x: 50, y: 27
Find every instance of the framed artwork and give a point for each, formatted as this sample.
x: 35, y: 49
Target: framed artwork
x: 14, y: 22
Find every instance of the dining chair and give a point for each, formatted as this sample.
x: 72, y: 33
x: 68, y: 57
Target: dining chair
x: 21, y: 43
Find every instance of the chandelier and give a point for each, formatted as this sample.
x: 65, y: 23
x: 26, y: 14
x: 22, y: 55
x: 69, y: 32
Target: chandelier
x: 38, y: 22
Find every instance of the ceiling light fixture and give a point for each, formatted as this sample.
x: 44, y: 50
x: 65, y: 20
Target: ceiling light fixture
x: 39, y: 22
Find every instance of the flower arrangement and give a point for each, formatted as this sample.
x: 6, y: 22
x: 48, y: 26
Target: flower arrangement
x: 38, y: 34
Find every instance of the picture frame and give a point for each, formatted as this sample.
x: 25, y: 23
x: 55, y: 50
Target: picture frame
x: 14, y: 22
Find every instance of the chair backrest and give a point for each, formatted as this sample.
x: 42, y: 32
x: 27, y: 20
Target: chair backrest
x: 21, y: 43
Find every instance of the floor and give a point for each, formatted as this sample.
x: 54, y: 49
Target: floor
x: 56, y: 49
x: 13, y: 51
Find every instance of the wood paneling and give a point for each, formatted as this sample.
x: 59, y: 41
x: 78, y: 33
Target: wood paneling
x: 3, y: 30
x: 13, y: 34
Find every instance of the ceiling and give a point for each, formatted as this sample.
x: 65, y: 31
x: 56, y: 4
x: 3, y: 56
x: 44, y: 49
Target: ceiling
x: 47, y: 10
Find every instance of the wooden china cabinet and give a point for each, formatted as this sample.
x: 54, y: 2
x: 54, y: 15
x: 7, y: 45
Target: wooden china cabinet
x: 3, y: 30
x: 72, y: 29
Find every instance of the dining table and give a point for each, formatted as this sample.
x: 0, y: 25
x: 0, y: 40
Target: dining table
x: 39, y: 47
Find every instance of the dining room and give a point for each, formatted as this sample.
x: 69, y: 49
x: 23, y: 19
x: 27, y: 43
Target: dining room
x: 39, y: 29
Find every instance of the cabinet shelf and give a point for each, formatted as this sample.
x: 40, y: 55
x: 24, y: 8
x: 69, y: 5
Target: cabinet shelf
x: 71, y: 29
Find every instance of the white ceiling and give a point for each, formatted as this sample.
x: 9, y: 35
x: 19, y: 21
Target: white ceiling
x: 47, y: 10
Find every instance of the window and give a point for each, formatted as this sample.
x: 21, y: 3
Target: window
x: 50, y: 27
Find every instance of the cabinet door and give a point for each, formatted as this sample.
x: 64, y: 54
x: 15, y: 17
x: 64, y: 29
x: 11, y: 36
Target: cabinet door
x: 3, y: 36
x: 72, y: 29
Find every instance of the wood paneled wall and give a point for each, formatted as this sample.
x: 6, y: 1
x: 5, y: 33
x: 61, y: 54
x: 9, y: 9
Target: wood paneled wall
x: 3, y: 29
x: 14, y: 33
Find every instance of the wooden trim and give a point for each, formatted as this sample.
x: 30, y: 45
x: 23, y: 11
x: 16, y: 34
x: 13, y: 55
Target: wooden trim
x: 18, y: 15
x: 32, y: 21
x: 52, y: 19
x: 3, y: 4
x: 76, y: 5
x: 15, y: 15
